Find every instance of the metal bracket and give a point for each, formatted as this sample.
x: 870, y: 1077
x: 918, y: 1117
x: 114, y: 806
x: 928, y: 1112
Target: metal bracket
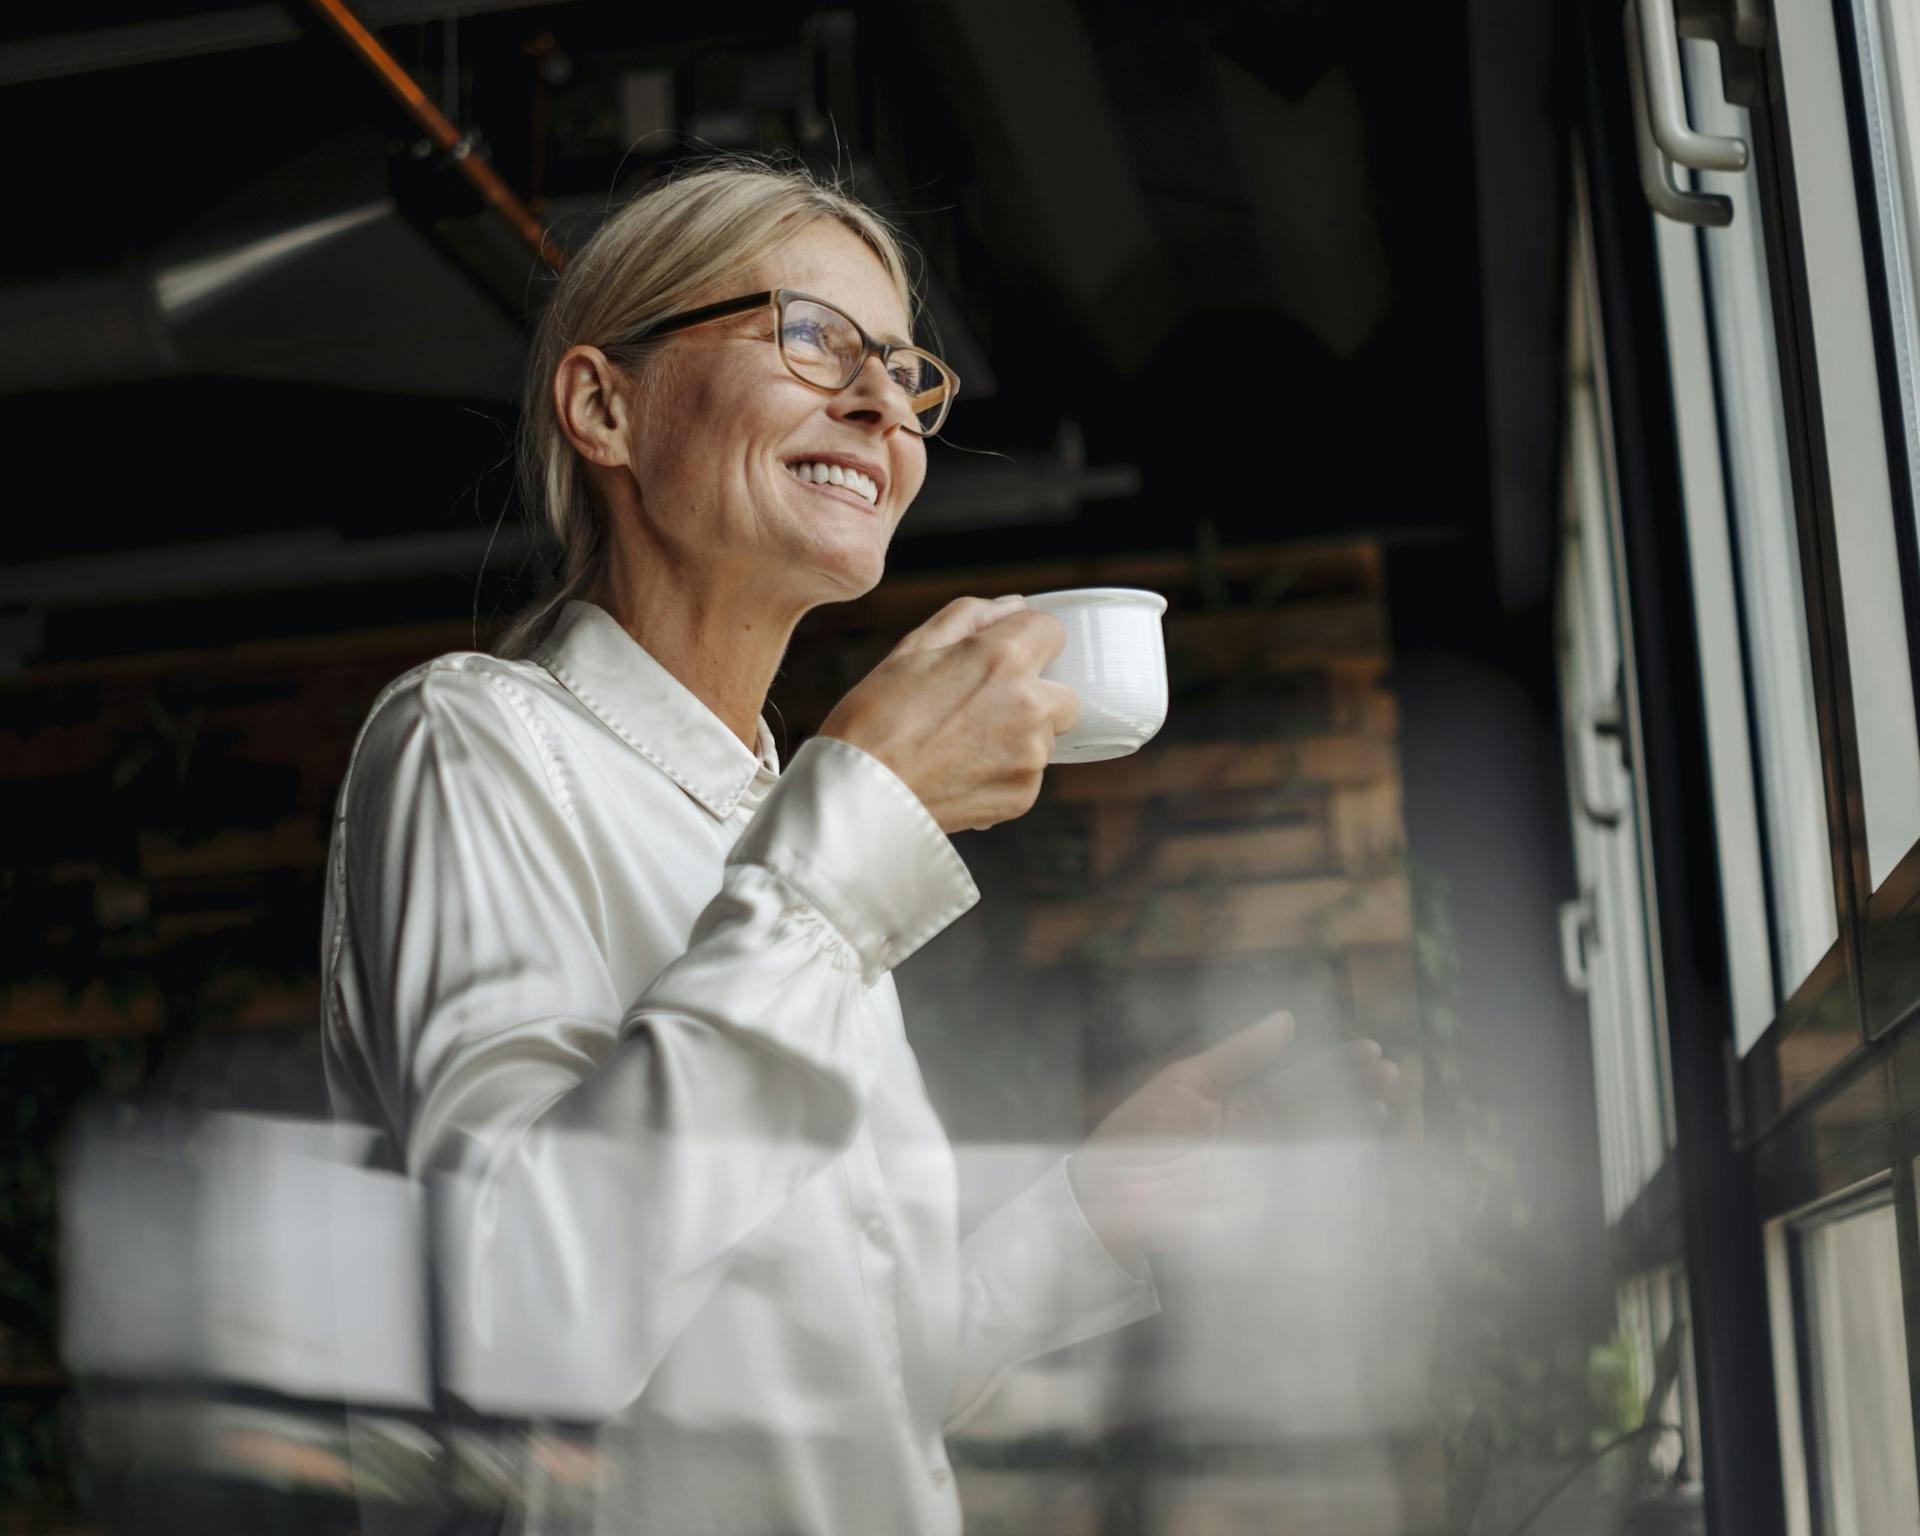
x: 1743, y: 22
x: 1576, y: 929
x: 1606, y: 721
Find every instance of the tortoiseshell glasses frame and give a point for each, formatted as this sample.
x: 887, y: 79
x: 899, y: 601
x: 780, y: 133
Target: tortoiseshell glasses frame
x: 835, y: 359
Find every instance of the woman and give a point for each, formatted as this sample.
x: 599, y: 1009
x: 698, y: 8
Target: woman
x: 622, y: 985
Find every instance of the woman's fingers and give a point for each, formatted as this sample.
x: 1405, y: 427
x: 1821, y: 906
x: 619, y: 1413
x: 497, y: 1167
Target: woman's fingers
x: 960, y: 712
x: 1347, y: 1089
x: 1356, y: 1069
x: 1065, y: 704
x: 961, y: 618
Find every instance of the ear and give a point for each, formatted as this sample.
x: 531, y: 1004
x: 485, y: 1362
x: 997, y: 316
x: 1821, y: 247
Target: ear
x: 593, y: 404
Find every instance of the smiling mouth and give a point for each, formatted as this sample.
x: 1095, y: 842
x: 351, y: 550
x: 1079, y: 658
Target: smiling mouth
x: 829, y: 473
x: 840, y: 493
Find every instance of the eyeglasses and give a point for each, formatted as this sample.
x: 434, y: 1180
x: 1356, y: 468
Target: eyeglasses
x: 827, y: 348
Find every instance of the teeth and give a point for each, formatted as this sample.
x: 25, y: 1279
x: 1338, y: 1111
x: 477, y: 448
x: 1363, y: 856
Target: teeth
x: 834, y: 474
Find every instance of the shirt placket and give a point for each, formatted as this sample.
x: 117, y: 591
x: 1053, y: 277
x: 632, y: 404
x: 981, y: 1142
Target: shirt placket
x: 879, y: 1258
x: 877, y: 1244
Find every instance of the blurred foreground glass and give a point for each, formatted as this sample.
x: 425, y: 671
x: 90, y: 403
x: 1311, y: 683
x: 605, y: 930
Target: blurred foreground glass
x: 1861, y: 1440
x: 827, y: 348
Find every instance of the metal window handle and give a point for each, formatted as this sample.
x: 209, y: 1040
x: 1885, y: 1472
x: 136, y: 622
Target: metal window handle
x: 1576, y: 929
x: 1667, y: 103
x: 1710, y: 209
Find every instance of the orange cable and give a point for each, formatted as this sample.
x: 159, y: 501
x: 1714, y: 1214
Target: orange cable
x: 479, y: 174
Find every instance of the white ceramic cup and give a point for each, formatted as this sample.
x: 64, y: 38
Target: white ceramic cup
x: 1115, y: 662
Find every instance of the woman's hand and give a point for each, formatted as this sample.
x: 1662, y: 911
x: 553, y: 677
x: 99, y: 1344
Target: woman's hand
x: 1149, y: 1175
x: 960, y: 712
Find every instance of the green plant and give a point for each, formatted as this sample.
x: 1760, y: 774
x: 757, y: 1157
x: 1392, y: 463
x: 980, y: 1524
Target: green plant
x: 1619, y: 1394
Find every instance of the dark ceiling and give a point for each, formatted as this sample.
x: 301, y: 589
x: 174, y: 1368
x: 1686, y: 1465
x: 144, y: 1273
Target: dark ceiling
x: 1232, y: 266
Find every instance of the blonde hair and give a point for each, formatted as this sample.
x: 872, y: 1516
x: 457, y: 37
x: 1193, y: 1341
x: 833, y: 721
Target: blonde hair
x: 675, y: 242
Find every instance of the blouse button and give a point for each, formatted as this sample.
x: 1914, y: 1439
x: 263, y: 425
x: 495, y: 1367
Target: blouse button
x: 875, y: 1227
x: 939, y: 1476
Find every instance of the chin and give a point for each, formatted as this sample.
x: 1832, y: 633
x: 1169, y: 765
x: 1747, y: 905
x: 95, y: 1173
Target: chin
x: 848, y: 585
x: 852, y: 573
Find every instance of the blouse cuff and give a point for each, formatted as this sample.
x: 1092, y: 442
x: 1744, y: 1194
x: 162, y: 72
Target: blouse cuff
x: 1134, y: 1271
x: 846, y: 832
x: 1054, y: 1278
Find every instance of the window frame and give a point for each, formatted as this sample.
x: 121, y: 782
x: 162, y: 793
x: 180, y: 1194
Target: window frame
x: 1769, y: 1136
x: 1890, y: 979
x: 1818, y: 1023
x: 1702, y: 1201
x: 1808, y: 1401
x: 1611, y: 852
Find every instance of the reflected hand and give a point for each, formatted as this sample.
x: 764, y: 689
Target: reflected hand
x: 1149, y: 1175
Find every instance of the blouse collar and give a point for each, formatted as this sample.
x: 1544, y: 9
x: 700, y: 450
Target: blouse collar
x: 651, y: 710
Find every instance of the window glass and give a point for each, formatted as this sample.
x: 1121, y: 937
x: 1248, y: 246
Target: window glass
x: 1888, y: 36
x: 1896, y: 40
x: 1606, y: 928
x: 1862, y: 1430
x: 1744, y: 895
x: 1717, y: 278
x: 1585, y: 927
x: 1716, y: 610
x: 1858, y: 468
x: 1608, y: 806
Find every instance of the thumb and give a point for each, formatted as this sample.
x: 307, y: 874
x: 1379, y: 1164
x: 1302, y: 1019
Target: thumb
x: 1247, y: 1052
x: 962, y: 617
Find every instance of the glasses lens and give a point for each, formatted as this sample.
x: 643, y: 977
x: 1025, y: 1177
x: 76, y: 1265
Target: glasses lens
x: 821, y: 344
x: 928, y: 387
x: 824, y: 347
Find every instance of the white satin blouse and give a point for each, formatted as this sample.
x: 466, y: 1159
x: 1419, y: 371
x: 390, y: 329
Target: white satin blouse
x: 621, y: 990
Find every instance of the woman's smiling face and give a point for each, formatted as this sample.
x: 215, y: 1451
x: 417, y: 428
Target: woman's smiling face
x: 714, y: 444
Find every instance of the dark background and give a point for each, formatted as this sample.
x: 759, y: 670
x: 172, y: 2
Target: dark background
x: 1278, y: 256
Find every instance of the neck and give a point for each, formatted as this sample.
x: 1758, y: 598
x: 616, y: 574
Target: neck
x: 718, y: 636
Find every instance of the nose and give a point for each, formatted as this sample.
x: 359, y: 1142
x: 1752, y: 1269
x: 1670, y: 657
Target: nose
x: 873, y: 399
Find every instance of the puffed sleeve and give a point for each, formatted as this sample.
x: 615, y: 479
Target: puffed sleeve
x: 1034, y: 1278
x: 596, y: 1160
